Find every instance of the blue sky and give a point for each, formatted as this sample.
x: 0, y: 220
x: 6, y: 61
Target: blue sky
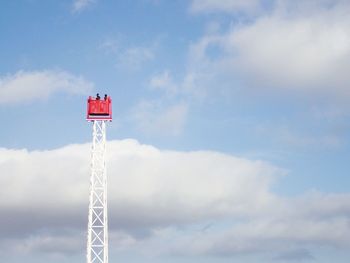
x: 230, y: 138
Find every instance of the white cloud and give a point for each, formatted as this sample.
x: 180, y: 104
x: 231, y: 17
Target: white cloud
x: 274, y: 237
x: 207, y: 6
x: 198, y: 83
x: 301, y: 47
x: 25, y: 86
x: 164, y: 82
x: 288, y: 136
x: 142, y: 180
x: 152, y: 192
x: 134, y: 57
x: 308, y: 53
x: 52, y: 244
x: 252, y: 8
x: 293, y: 225
x: 166, y: 116
x: 79, y: 5
x: 156, y: 118
x: 110, y: 46
x: 130, y: 57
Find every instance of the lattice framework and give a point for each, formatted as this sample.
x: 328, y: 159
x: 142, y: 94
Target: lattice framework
x: 97, y: 243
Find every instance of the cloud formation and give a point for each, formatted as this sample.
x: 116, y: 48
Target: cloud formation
x: 154, y: 117
x: 129, y: 57
x: 158, y: 198
x: 307, y: 53
x: 208, y: 6
x: 302, y: 47
x: 25, y: 86
x: 79, y: 5
x: 135, y: 57
x: 138, y: 175
x: 164, y: 82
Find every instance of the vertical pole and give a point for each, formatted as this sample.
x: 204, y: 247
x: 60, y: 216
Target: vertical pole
x: 97, y: 243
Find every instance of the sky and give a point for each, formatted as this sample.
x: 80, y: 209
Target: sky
x: 230, y: 133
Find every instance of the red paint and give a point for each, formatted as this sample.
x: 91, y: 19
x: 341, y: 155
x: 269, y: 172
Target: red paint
x: 99, y: 109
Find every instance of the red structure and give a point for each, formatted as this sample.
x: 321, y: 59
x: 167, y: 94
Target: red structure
x: 99, y: 109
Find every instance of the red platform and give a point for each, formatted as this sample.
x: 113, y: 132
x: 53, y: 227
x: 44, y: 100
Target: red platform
x: 99, y: 109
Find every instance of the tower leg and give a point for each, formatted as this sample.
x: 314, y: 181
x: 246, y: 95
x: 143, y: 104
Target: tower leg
x: 97, y: 241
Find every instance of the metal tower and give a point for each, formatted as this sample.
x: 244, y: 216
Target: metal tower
x: 99, y: 112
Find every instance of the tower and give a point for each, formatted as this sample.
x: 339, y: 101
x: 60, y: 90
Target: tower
x: 99, y: 111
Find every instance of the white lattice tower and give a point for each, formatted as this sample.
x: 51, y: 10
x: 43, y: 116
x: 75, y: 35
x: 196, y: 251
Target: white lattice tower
x: 97, y: 243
